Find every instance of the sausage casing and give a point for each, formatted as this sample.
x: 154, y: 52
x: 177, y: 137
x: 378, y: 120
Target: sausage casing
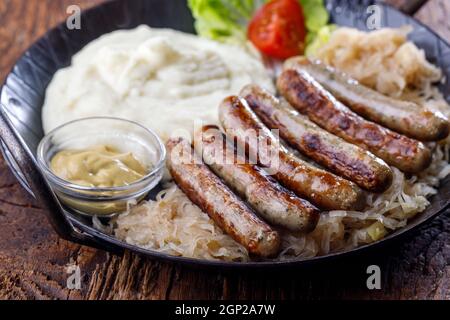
x: 405, y: 117
x: 310, y: 98
x: 275, y: 204
x: 328, y: 150
x: 208, y: 192
x: 322, y: 188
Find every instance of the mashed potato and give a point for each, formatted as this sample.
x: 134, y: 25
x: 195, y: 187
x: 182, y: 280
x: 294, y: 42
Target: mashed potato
x: 161, y: 78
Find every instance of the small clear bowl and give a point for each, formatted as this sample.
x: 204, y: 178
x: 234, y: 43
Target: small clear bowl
x: 125, y: 136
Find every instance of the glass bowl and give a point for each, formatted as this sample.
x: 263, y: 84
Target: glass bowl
x: 123, y: 135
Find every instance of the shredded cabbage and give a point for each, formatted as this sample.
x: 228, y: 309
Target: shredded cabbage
x: 384, y: 60
x: 173, y: 224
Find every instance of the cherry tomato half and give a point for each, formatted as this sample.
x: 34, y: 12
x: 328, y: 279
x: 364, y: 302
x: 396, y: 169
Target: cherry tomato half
x: 278, y: 29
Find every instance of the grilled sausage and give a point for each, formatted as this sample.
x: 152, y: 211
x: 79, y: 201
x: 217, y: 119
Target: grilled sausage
x: 275, y: 204
x: 208, y: 192
x: 404, y: 117
x: 342, y: 158
x: 310, y: 98
x: 322, y: 188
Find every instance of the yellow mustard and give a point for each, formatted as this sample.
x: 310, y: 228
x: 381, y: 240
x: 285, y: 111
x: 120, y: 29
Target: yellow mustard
x: 100, y: 166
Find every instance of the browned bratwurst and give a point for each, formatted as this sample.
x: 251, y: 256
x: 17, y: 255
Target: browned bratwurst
x: 208, y: 192
x: 345, y: 159
x: 405, y: 117
x: 307, y: 96
x: 271, y: 201
x: 322, y: 188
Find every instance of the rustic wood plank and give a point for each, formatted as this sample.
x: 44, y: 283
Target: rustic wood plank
x: 407, y: 6
x: 436, y: 14
x: 33, y: 259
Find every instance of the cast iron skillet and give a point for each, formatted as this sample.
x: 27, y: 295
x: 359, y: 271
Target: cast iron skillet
x: 23, y: 93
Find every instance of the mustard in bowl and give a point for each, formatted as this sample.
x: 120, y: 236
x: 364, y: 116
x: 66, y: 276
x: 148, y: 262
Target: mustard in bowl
x: 96, y: 166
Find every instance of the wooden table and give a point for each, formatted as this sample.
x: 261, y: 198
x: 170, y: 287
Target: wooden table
x: 34, y: 261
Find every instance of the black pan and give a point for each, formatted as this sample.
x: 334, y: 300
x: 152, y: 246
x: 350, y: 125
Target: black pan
x: 22, y: 97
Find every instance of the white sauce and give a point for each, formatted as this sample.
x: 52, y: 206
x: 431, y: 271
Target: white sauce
x: 161, y: 78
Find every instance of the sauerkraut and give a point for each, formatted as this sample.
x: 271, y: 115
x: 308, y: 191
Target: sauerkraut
x: 174, y: 225
x: 384, y: 60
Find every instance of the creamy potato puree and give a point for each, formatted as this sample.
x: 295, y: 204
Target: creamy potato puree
x: 161, y: 78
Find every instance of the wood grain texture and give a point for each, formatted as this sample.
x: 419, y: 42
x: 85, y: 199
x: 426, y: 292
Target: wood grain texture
x: 33, y: 260
x: 408, y: 6
x: 436, y: 13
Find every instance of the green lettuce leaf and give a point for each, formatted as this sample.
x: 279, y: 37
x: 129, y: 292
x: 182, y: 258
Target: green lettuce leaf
x: 316, y: 16
x: 318, y: 39
x: 227, y: 20
x: 223, y: 20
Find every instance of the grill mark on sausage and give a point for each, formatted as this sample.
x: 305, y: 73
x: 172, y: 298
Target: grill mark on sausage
x: 405, y: 117
x: 213, y: 197
x: 273, y: 202
x: 309, y: 98
x: 323, y: 188
x: 344, y: 159
x: 315, y: 144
